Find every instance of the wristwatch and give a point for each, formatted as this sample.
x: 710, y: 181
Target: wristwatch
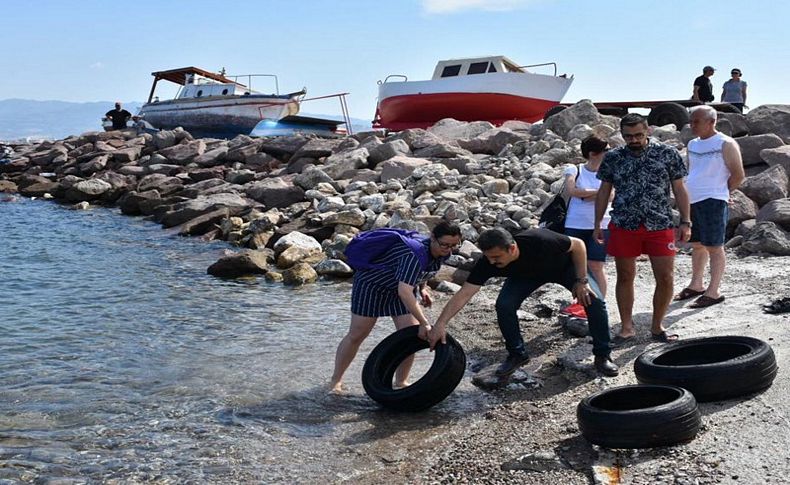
x: 687, y: 223
x: 582, y: 280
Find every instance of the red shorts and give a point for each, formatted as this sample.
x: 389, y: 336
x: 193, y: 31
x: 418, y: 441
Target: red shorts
x: 624, y: 243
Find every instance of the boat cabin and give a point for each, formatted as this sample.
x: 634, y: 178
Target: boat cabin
x: 199, y: 83
x: 474, y: 65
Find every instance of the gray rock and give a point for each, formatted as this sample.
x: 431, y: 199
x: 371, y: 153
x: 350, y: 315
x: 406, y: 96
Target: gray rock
x: 318, y: 148
x: 334, y: 268
x: 164, y: 168
x: 496, y: 186
x: 343, y: 165
x: 384, y: 151
x: 766, y: 237
x: 283, y: 147
x: 770, y: 118
x: 450, y: 130
x: 541, y: 461
x: 442, y: 150
x: 737, y: 122
x: 752, y: 145
x: 296, y: 239
x: 353, y: 217
x: 311, y: 177
x: 373, y: 202
x: 583, y: 112
x: 39, y: 189
x: 240, y: 153
x: 777, y: 156
x: 400, y: 167
x: 212, y: 157
x: 417, y: 138
x: 766, y: 186
x: 87, y: 190
x: 161, y: 183
x: 299, y: 274
x: 188, y: 210
x: 741, y: 209
x: 130, y: 202
x: 275, y: 192
x: 493, y: 141
x: 240, y: 177
x: 94, y: 165
x: 745, y: 227
x: 447, y: 287
x: 776, y: 211
x: 127, y: 155
x: 203, y: 223
x: 164, y: 139
x: 184, y: 153
x: 243, y: 263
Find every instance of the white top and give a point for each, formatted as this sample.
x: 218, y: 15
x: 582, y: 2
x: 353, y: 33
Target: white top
x: 581, y: 213
x: 708, y: 174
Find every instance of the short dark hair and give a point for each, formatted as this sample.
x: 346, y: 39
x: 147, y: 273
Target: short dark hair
x: 445, y: 228
x: 632, y: 119
x: 495, y: 238
x: 593, y: 144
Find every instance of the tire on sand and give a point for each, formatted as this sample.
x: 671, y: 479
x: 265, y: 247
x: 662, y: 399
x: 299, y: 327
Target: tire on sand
x: 442, y: 378
x: 667, y: 113
x: 712, y: 368
x: 639, y: 416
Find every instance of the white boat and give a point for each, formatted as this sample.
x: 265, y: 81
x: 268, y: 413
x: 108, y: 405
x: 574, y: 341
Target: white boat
x: 491, y: 88
x: 211, y: 104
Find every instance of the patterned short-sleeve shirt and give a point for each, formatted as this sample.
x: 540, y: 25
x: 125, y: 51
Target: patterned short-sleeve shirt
x: 642, y: 183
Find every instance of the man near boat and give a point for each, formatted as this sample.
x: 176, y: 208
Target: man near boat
x: 119, y: 116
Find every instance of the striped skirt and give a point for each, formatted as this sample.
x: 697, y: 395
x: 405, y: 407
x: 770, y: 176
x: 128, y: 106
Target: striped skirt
x: 370, y: 299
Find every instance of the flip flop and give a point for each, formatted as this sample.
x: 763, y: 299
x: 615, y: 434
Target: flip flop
x: 664, y: 337
x: 706, y: 301
x: 619, y: 340
x: 687, y: 293
x: 782, y: 305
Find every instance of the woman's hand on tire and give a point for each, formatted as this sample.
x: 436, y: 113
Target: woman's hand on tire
x: 425, y: 331
x: 437, y: 334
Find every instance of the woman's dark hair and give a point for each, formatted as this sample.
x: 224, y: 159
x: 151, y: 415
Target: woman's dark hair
x: 632, y: 119
x: 444, y: 228
x: 495, y: 238
x: 593, y: 144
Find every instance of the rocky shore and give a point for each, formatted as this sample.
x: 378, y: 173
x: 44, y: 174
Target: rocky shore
x: 293, y: 203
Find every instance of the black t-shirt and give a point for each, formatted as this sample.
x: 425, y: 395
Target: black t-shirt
x: 543, y: 254
x: 705, y: 90
x: 119, y: 117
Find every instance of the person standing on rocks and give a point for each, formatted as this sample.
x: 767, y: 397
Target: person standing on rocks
x: 529, y: 260
x: 119, y: 116
x: 715, y: 170
x: 703, y: 88
x: 392, y: 290
x: 582, y: 186
x: 734, y: 90
x: 642, y: 173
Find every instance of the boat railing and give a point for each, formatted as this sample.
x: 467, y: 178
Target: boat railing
x: 249, y: 78
x: 394, y: 75
x: 340, y: 96
x: 542, y: 64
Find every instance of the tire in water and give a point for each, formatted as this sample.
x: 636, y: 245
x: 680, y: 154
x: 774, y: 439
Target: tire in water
x: 444, y: 375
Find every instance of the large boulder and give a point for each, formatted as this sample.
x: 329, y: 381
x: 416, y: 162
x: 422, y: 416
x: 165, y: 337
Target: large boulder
x: 311, y: 177
x: 161, y: 183
x: 94, y: 165
x: 191, y: 209
x: 283, y: 147
x: 298, y: 240
x: 737, y: 121
x: 343, y: 165
x: 87, y: 190
x: 752, y: 145
x: 451, y: 130
x: 741, y: 209
x: 417, y: 138
x: 275, y: 192
x: 128, y: 154
x: 183, y: 153
x: 492, y: 142
x: 164, y: 139
x: 766, y: 237
x: 766, y: 186
x: 317, y: 148
x: 384, y: 151
x: 130, y: 202
x: 400, y: 167
x: 353, y: 217
x: 770, y: 118
x: 442, y: 150
x: 246, y: 262
x: 295, y: 254
x: 212, y: 157
x: 777, y: 156
x: 203, y: 223
x: 39, y: 189
x: 776, y: 211
x: 583, y: 112
x: 334, y: 268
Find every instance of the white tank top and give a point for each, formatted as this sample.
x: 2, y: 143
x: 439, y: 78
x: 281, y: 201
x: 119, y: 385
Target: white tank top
x: 708, y: 174
x: 581, y: 213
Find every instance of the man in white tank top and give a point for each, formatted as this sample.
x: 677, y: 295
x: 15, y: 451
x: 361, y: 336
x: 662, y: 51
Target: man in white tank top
x: 715, y: 170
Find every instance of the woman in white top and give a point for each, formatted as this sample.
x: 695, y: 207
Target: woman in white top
x: 582, y: 184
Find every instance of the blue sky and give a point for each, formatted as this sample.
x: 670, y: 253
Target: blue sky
x: 617, y: 50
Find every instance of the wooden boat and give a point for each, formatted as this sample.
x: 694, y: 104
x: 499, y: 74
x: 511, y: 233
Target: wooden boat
x: 492, y: 88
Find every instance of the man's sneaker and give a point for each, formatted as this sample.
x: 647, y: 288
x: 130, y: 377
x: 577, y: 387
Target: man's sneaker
x: 605, y: 366
x: 510, y: 364
x: 574, y: 310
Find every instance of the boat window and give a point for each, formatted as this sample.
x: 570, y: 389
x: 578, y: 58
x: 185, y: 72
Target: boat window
x: 491, y: 68
x: 477, y: 68
x: 199, y: 93
x: 451, y: 70
x: 225, y: 91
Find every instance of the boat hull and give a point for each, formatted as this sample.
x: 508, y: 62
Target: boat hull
x: 495, y: 97
x: 218, y: 116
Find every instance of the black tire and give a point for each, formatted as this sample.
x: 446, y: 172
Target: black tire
x: 613, y: 111
x: 712, y: 368
x: 667, y: 113
x: 442, y: 378
x: 639, y: 416
x: 725, y: 108
x: 553, y: 111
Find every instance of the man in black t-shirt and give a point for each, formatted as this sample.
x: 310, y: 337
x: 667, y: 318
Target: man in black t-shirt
x: 118, y: 116
x: 703, y: 89
x: 529, y: 260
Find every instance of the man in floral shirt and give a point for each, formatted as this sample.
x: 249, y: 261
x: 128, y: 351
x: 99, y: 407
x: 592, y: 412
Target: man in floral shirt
x: 641, y: 173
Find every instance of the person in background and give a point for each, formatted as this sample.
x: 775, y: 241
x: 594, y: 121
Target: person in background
x: 715, y: 170
x: 119, y: 116
x: 582, y: 186
x: 529, y: 260
x: 642, y: 173
x: 703, y: 88
x: 734, y: 90
x: 392, y: 290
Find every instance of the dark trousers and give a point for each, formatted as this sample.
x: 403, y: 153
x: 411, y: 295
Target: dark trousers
x: 516, y: 290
